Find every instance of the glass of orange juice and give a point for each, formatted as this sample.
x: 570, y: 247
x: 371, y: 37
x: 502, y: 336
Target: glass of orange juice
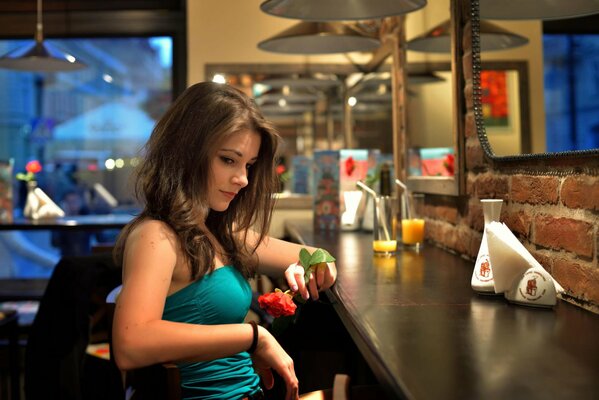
x: 412, y: 228
x: 384, y: 242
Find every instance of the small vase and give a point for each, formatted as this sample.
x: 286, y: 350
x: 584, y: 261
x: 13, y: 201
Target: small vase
x: 38, y: 205
x: 482, y: 275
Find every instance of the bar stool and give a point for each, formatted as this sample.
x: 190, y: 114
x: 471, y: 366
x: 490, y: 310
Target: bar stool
x: 9, y: 329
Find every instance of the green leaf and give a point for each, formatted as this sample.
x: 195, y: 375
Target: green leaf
x: 307, y: 275
x: 304, y: 257
x: 317, y: 257
x: 328, y: 256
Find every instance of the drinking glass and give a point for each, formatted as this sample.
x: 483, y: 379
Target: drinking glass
x: 412, y: 227
x: 385, y: 222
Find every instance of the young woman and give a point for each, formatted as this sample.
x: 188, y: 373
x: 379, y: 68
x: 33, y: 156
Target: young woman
x: 206, y: 183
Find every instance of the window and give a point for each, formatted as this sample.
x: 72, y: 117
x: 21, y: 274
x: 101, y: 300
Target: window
x: 571, y: 63
x: 86, y: 128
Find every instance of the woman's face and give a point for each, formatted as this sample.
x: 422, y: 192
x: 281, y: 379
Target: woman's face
x: 230, y: 166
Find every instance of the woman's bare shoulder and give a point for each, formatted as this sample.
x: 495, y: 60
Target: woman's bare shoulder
x: 153, y: 232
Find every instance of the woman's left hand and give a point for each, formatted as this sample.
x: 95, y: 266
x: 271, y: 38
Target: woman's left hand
x: 322, y: 277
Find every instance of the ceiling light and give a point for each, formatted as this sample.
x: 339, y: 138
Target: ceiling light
x: 40, y: 56
x: 302, y: 82
x: 339, y: 10
x: 319, y: 38
x: 492, y: 37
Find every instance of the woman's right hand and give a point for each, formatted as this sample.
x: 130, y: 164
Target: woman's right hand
x: 270, y: 355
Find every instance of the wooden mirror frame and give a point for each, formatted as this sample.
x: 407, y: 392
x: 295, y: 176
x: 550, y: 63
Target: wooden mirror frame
x: 557, y: 163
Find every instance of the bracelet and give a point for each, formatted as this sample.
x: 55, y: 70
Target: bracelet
x: 255, y: 338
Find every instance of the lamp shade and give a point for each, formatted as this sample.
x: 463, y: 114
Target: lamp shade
x: 319, y: 38
x: 276, y: 95
x: 302, y: 82
x: 40, y: 56
x: 537, y: 9
x: 339, y: 10
x: 492, y: 37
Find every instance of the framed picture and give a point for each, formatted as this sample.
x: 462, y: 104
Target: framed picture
x: 495, y: 100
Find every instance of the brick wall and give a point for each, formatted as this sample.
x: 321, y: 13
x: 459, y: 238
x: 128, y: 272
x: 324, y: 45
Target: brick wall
x: 554, y: 213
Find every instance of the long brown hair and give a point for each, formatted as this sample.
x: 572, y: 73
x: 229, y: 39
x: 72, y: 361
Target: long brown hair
x: 172, y: 180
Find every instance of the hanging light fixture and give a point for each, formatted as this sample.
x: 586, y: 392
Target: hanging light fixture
x: 537, y: 9
x: 319, y: 38
x: 292, y: 97
x: 40, y: 56
x: 492, y: 37
x: 339, y: 10
x: 315, y: 81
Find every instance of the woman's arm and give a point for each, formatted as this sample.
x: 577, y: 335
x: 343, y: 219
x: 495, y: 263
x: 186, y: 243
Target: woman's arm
x: 278, y: 258
x: 141, y: 337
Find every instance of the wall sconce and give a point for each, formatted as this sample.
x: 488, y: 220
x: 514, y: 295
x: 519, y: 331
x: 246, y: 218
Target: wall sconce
x: 339, y: 10
x: 492, y: 37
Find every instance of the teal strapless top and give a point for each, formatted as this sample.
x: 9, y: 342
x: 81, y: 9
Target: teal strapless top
x: 220, y: 297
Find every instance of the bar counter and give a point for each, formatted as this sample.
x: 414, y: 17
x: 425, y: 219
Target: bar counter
x: 427, y: 335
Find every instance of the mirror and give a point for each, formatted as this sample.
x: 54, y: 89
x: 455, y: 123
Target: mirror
x: 557, y: 69
x: 307, y: 104
x: 317, y: 118
x: 309, y: 107
x: 435, y: 111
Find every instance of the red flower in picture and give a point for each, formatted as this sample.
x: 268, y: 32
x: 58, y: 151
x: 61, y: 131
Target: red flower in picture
x: 449, y: 163
x: 278, y: 303
x: 350, y: 165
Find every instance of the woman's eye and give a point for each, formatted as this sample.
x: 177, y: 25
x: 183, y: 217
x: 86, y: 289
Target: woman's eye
x: 226, y: 160
x: 249, y: 166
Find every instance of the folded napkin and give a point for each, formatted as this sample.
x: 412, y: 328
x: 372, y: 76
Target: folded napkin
x: 40, y: 206
x: 511, y: 260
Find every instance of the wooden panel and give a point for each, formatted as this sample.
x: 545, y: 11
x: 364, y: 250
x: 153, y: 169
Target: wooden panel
x: 89, y: 5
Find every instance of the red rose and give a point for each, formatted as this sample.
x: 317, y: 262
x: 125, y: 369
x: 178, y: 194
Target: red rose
x: 33, y: 166
x: 277, y: 304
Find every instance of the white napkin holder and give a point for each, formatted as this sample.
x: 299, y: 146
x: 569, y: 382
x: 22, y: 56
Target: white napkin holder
x: 517, y: 274
x: 349, y: 218
x: 482, y: 280
x: 535, y: 288
x: 39, y: 205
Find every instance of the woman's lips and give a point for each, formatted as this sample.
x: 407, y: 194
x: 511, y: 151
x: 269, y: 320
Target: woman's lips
x: 229, y: 195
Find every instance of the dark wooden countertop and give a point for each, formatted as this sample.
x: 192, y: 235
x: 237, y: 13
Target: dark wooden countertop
x: 427, y: 335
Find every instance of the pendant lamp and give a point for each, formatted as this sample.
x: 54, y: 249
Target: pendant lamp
x: 278, y: 95
x: 339, y: 10
x: 319, y: 38
x: 537, y: 9
x: 317, y: 81
x: 492, y: 37
x: 40, y: 56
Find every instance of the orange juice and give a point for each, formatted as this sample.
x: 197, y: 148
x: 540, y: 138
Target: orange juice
x: 412, y: 231
x: 384, y: 246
